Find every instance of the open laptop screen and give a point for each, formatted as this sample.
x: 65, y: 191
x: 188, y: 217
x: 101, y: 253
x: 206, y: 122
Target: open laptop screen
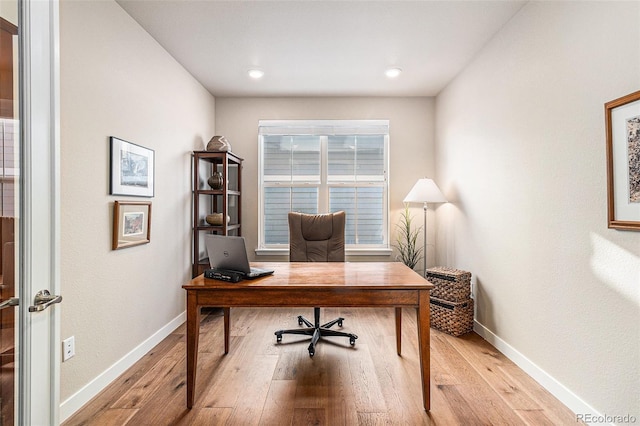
x: 229, y: 252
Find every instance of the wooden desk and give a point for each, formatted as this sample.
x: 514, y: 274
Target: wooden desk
x: 360, y: 284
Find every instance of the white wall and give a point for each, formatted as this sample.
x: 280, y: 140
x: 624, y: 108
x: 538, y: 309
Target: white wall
x: 116, y: 80
x: 411, y: 133
x: 521, y: 152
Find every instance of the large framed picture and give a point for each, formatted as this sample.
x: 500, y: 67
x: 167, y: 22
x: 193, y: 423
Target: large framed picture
x: 131, y: 169
x: 622, y: 118
x: 131, y: 223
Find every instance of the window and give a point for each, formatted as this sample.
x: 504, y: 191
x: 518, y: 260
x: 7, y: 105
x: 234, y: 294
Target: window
x: 324, y: 166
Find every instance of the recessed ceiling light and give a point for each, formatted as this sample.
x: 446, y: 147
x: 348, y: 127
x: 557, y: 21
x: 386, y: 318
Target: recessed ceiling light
x: 256, y: 73
x: 393, y: 72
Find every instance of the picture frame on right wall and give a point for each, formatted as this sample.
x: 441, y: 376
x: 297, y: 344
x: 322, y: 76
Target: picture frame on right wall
x: 622, y: 119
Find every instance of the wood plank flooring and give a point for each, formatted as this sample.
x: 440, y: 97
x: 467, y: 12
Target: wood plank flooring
x: 261, y: 382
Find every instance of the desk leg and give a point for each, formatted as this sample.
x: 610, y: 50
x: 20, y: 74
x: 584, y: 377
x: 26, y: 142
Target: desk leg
x: 227, y: 314
x: 193, y: 331
x: 425, y: 350
x: 399, y: 330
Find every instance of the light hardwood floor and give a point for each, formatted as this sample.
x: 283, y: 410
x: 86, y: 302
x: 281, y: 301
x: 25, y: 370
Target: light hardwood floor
x: 261, y: 382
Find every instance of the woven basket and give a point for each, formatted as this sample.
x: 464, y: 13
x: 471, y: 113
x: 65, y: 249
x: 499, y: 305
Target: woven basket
x: 450, y: 284
x: 452, y: 318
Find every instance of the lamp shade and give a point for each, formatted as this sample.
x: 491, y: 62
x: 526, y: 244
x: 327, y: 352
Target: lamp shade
x: 425, y: 191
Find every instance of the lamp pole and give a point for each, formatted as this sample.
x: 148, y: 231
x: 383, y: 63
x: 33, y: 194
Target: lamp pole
x: 424, y: 249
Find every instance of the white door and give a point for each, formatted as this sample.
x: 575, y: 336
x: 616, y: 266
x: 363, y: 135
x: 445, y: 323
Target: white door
x: 29, y: 210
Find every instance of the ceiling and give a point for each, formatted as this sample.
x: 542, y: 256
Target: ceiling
x: 322, y: 48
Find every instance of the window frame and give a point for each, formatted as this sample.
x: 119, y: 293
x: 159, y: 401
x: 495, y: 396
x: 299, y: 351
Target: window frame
x: 322, y: 129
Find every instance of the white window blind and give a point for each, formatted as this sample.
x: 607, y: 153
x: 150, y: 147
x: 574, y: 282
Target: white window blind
x: 324, y: 166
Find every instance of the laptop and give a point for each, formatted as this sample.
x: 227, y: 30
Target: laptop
x: 230, y: 253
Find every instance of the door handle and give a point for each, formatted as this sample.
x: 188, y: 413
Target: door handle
x: 12, y: 301
x: 43, y: 300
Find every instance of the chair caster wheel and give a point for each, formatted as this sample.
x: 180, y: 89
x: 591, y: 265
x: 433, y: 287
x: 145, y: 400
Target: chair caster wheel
x: 340, y: 323
x: 312, y: 352
x: 278, y: 338
x: 299, y: 321
x: 352, y: 341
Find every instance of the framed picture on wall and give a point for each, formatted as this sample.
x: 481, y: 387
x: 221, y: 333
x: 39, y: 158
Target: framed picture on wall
x: 622, y: 117
x: 131, y: 223
x: 131, y: 169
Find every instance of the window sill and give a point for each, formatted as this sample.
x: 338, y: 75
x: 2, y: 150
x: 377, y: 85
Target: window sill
x: 348, y: 252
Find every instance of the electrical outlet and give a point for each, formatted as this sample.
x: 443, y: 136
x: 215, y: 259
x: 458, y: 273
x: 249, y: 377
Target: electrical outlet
x: 68, y: 348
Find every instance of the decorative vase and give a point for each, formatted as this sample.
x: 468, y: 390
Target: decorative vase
x: 219, y: 144
x: 214, y: 219
x: 216, y: 181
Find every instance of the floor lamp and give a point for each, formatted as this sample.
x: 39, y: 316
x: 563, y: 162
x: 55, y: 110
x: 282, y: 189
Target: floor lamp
x: 425, y: 191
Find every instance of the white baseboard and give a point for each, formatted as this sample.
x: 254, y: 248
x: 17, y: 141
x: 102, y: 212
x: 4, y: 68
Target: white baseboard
x: 557, y: 389
x: 94, y: 387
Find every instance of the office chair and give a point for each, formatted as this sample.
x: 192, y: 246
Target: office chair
x: 316, y: 238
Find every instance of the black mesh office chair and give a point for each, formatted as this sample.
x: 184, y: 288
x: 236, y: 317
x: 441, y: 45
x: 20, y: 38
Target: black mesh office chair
x: 316, y: 238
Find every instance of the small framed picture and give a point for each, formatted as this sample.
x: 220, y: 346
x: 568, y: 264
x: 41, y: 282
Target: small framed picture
x: 131, y: 223
x: 131, y: 169
x: 622, y: 119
